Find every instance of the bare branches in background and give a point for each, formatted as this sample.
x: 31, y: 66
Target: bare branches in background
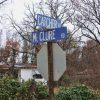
x: 87, y: 18
x: 2, y: 1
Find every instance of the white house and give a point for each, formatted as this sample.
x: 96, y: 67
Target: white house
x: 25, y: 71
x: 28, y: 71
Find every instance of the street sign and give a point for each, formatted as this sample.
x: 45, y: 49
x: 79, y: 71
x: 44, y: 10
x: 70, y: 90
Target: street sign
x: 47, y: 22
x: 51, y: 59
x: 52, y: 34
x: 59, y: 61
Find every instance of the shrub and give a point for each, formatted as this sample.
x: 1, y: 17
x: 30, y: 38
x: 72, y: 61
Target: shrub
x: 41, y: 92
x: 11, y: 89
x: 65, y: 80
x: 77, y: 92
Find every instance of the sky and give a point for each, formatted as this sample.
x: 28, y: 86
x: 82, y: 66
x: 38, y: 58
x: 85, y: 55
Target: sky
x: 17, y: 7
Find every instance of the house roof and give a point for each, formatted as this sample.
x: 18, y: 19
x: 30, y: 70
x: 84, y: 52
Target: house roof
x: 25, y: 66
x: 4, y: 66
x: 18, y: 66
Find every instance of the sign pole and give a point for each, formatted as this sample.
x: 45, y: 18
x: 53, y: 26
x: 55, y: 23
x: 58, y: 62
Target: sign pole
x: 50, y: 70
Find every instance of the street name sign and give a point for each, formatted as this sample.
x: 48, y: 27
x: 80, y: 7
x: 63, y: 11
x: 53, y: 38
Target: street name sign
x: 47, y: 22
x: 49, y: 35
x: 59, y: 61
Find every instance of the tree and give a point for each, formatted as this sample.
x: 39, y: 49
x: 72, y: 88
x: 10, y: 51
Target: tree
x: 91, y: 56
x: 85, y: 58
x: 8, y: 55
x: 86, y: 18
x: 69, y: 43
x: 54, y: 8
x: 2, y: 1
x: 6, y: 52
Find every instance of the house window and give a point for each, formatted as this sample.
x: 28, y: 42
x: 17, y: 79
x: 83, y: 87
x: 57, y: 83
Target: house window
x: 37, y: 76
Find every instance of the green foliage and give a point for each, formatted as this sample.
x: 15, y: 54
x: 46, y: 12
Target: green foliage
x: 65, y: 81
x: 78, y: 92
x: 41, y: 91
x: 11, y: 89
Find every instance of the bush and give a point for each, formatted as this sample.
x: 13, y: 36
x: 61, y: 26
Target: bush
x: 78, y: 92
x: 11, y: 89
x: 41, y: 92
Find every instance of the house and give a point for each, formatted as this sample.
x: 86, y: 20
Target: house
x: 23, y: 72
x: 29, y: 71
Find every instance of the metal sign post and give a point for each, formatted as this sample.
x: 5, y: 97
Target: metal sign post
x: 50, y: 70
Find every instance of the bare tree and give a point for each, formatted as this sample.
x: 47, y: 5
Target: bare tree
x: 53, y: 8
x: 58, y: 9
x: 87, y: 18
x: 2, y: 1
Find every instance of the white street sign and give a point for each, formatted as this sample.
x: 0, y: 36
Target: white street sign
x: 59, y: 61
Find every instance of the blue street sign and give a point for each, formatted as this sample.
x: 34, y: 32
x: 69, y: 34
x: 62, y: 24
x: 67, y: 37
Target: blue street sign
x: 47, y: 22
x: 52, y: 34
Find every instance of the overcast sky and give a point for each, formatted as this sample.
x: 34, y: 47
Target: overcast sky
x: 16, y: 7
